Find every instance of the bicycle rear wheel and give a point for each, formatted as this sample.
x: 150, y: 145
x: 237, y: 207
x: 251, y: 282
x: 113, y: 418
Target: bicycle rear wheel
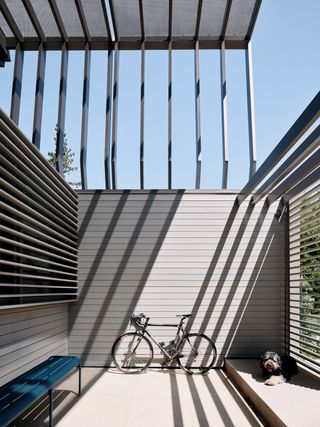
x: 132, y: 352
x: 197, y: 353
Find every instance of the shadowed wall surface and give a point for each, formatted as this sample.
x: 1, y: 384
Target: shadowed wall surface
x: 29, y: 336
x: 169, y: 252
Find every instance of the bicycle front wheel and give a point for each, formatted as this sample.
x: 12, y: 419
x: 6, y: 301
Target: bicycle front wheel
x: 196, y: 353
x: 132, y: 352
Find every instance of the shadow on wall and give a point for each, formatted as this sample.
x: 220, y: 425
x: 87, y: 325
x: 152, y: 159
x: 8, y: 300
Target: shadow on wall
x: 121, y: 239
x: 240, y: 332
x: 169, y: 252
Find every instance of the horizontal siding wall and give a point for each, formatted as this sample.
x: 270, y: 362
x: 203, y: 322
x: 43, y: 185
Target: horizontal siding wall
x: 169, y: 252
x: 30, y: 335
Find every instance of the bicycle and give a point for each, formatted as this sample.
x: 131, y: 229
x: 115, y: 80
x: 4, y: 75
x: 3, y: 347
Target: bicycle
x: 133, y: 352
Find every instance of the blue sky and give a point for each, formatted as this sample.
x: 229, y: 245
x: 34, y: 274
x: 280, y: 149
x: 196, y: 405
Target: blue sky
x: 286, y: 64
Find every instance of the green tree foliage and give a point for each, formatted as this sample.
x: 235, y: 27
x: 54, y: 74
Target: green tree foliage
x: 310, y: 276
x: 68, y: 159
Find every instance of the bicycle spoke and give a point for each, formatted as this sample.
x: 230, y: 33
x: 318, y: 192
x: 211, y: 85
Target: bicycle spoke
x: 197, y: 353
x: 132, y: 353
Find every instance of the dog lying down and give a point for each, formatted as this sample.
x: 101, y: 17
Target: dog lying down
x: 276, y: 369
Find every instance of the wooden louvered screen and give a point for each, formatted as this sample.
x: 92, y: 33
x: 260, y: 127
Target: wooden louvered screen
x: 38, y: 225
x: 304, y: 307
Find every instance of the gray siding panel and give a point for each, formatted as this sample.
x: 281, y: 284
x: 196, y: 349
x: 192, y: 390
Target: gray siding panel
x: 29, y: 336
x: 168, y: 252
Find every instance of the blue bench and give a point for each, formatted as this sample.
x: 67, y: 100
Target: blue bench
x: 19, y: 394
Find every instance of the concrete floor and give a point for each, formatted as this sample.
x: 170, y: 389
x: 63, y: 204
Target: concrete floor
x: 170, y: 398
x: 155, y: 398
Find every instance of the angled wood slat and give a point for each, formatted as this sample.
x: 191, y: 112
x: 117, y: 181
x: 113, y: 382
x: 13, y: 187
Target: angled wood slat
x: 22, y: 145
x: 38, y: 224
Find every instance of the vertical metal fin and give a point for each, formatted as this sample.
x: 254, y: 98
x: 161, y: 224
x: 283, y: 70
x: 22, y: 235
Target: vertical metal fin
x: 197, y: 111
x: 115, y: 117
x: 17, y: 84
x: 170, y: 115
x: 62, y: 109
x: 142, y: 116
x: 224, y: 116
x: 251, y: 112
x: 107, y: 165
x: 85, y: 115
x: 38, y: 104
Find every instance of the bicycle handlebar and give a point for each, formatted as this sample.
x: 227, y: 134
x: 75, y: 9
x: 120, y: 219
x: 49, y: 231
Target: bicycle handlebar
x: 137, y: 320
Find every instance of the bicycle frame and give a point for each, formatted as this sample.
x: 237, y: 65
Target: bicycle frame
x: 180, y: 330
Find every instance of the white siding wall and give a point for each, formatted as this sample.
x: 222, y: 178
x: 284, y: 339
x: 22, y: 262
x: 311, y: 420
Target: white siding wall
x: 29, y: 336
x: 168, y: 252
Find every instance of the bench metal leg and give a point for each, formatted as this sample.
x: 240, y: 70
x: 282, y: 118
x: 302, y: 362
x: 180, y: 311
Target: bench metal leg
x: 79, y: 380
x: 50, y: 393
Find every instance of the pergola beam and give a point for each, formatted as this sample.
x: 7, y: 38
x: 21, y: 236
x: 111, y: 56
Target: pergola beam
x: 58, y: 19
x: 196, y: 35
x: 105, y: 15
x: 4, y: 53
x: 253, y: 19
x: 11, y: 22
x: 83, y: 21
x: 114, y: 21
x: 34, y: 20
x: 141, y: 20
x: 28, y: 27
x: 225, y: 20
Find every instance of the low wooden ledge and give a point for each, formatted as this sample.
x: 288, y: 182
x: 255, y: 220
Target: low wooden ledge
x: 293, y: 404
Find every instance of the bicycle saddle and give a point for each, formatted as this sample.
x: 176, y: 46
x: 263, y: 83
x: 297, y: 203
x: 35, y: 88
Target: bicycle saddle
x: 184, y: 315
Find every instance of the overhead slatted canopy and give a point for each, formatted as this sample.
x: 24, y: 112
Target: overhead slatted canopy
x: 101, y: 22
